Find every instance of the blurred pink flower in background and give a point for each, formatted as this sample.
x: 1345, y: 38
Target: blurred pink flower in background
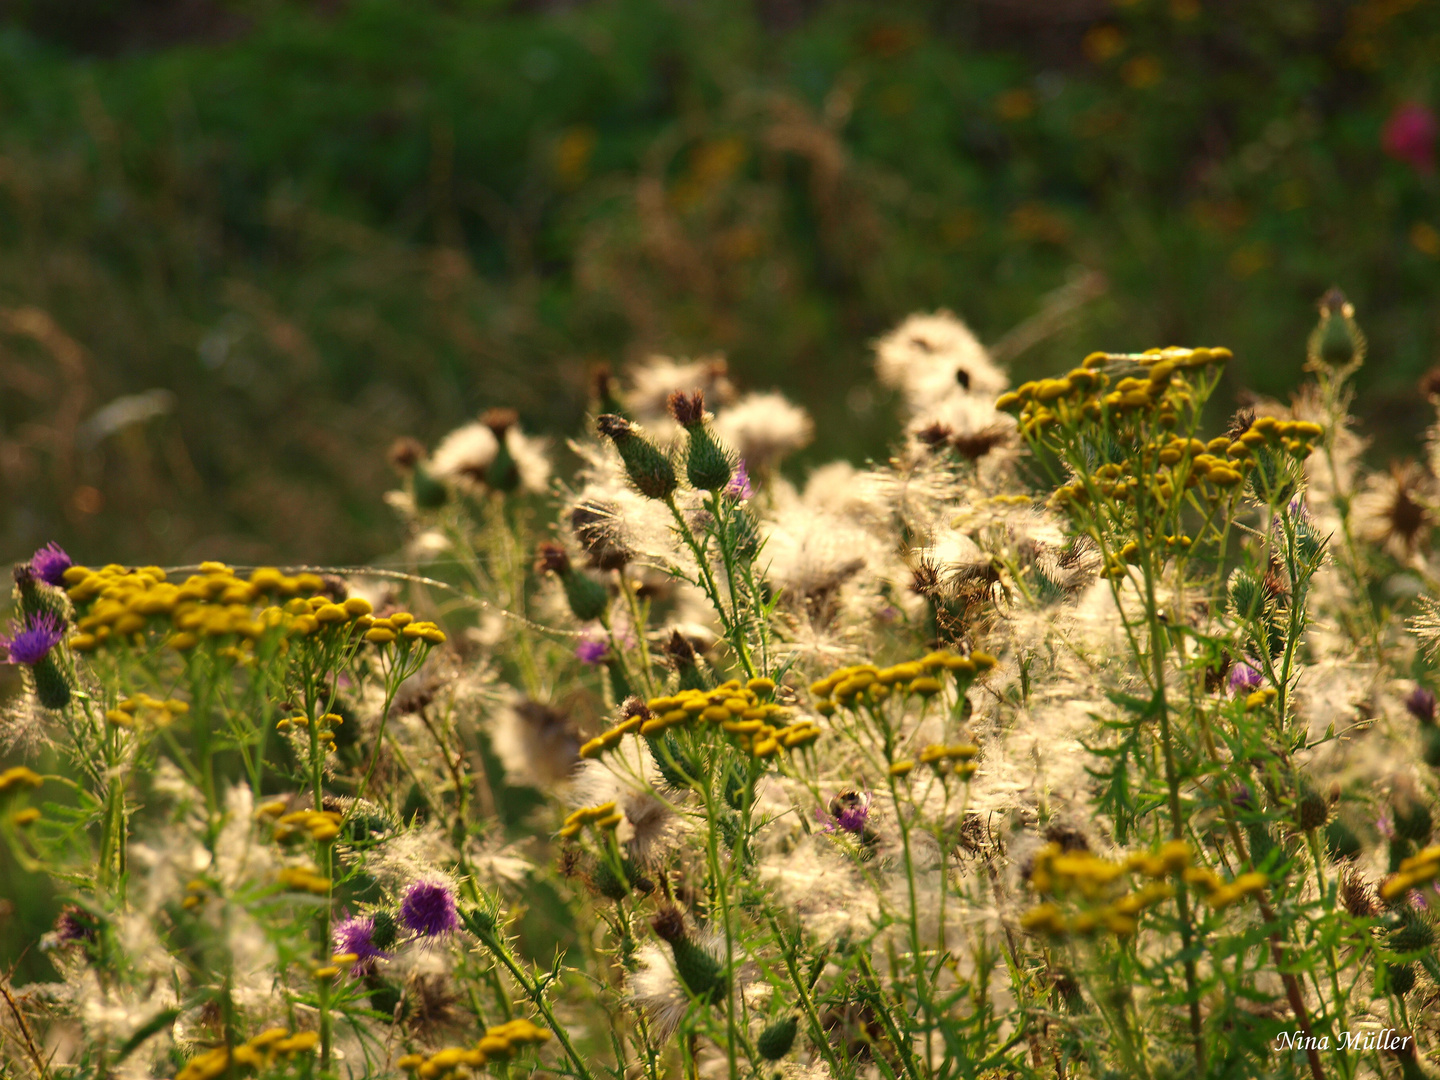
x: 1409, y: 136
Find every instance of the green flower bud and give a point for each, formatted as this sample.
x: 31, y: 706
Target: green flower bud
x: 1412, y: 820
x: 775, y: 1041
x: 587, y: 597
x: 384, y: 930
x: 648, y: 468
x: 1341, y: 841
x: 429, y: 493
x: 1413, y: 935
x: 1402, y: 978
x: 51, y: 686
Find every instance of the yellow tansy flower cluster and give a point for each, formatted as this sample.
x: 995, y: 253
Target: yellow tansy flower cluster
x: 866, y: 684
x: 1419, y: 868
x: 319, y: 825
x: 324, y: 727
x: 259, y: 1052
x: 497, y: 1044
x: 758, y: 726
x: 19, y: 777
x: 1057, y: 872
x: 162, y: 712
x: 302, y: 879
x: 1220, y: 893
x: 1092, y: 392
x: 116, y: 603
x: 604, y: 817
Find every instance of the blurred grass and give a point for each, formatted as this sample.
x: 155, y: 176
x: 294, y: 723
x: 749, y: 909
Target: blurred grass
x: 319, y: 226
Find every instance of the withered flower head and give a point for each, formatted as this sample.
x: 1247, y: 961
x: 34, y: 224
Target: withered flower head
x: 977, y: 444
x: 499, y: 421
x: 596, y: 526
x: 632, y: 707
x: 680, y: 650
x: 687, y: 409
x: 612, y: 426
x: 551, y: 558
x: 934, y: 435
x: 669, y: 924
x: 406, y: 453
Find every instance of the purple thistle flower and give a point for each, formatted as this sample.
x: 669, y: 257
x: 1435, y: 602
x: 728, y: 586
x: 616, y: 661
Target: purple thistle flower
x: 50, y: 564
x: 1385, y: 826
x: 1244, y: 679
x: 1421, y: 705
x: 355, y: 935
x: 592, y: 651
x: 849, y: 812
x: 739, y: 489
x: 852, y: 818
x: 428, y: 908
x: 32, y: 642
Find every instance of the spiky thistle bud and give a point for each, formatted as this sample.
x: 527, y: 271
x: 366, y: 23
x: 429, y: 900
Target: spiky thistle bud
x: 699, y: 971
x: 1342, y: 841
x: 1412, y: 819
x: 1412, y: 935
x: 1337, y: 340
x: 383, y: 929
x: 775, y: 1041
x: 1402, y: 978
x: 707, y: 466
x: 429, y: 493
x: 36, y: 598
x: 652, y: 473
x: 502, y: 473
x: 686, y: 661
x: 587, y: 597
x: 1311, y: 809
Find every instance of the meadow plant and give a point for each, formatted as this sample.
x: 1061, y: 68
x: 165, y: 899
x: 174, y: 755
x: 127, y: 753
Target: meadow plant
x: 1072, y: 741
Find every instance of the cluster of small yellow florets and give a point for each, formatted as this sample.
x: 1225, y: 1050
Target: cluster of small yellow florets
x: 1057, y: 872
x: 957, y: 759
x: 142, y: 707
x: 498, y: 1044
x: 1419, y: 868
x: 319, y: 825
x: 745, y: 711
x: 1157, y: 390
x: 259, y: 1052
x: 866, y: 684
x: 604, y: 817
x: 118, y: 603
x: 325, y: 727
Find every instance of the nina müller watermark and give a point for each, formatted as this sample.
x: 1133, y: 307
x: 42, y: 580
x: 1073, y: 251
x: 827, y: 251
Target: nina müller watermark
x: 1384, y: 1039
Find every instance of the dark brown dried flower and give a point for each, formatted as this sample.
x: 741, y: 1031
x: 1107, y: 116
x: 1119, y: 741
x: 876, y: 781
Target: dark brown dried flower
x: 979, y: 443
x: 669, y: 924
x: 680, y: 650
x: 687, y: 409
x: 1356, y: 894
x: 632, y: 707
x: 1240, y: 423
x: 596, y: 526
x: 406, y: 453
x: 612, y: 426
x: 936, y: 434
x: 499, y: 421
x: 551, y: 558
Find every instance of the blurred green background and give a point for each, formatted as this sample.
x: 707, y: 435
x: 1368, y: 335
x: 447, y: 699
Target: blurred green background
x: 245, y: 243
